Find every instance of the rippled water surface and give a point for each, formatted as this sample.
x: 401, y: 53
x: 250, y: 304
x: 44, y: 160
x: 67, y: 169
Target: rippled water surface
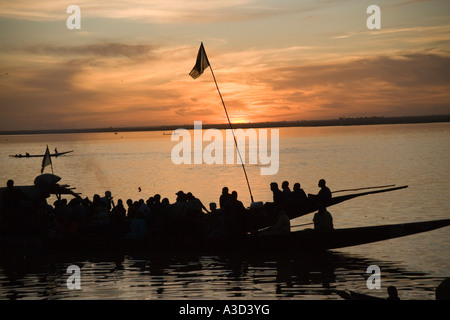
x: 347, y: 157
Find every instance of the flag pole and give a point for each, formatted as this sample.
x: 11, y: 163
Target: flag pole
x: 232, y: 131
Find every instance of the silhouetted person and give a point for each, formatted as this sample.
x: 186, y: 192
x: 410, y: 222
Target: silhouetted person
x: 11, y: 203
x: 195, y: 203
x: 217, y: 224
x: 277, y: 194
x: 224, y: 196
x: 323, y: 221
x: 100, y: 212
x: 324, y: 194
x: 181, y: 196
x: 286, y: 191
x: 119, y: 211
x: 12, y: 196
x: 144, y: 208
x: 298, y: 193
x: 282, y: 224
x: 285, y: 187
x: 165, y: 202
x: 158, y: 217
x: 443, y: 290
x: 131, y: 211
x: 393, y: 294
x: 213, y: 207
x: 235, y: 215
x: 108, y: 200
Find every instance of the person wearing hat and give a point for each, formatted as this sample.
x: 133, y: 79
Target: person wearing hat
x: 181, y: 196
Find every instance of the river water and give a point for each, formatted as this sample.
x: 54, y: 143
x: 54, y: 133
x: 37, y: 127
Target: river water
x: 135, y: 165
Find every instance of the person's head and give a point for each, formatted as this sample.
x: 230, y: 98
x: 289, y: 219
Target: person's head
x: 180, y: 195
x: 190, y: 196
x: 296, y: 186
x: 224, y: 190
x: 234, y: 194
x: 10, y: 183
x: 120, y: 202
x: 392, y: 291
x: 322, y: 183
x: 212, y: 206
x: 285, y: 185
x: 157, y: 198
x: 108, y: 195
x: 274, y: 186
x: 129, y: 202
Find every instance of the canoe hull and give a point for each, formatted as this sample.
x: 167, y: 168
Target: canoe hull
x: 298, y: 242
x: 41, y: 155
x: 310, y: 240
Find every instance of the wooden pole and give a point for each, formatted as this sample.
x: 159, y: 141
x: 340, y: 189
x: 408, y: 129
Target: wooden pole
x: 234, y: 137
x: 391, y: 185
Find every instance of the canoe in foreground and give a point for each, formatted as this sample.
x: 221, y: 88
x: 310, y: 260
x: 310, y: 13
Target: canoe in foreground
x: 310, y: 240
x: 262, y: 219
x: 311, y: 204
x: 305, y: 241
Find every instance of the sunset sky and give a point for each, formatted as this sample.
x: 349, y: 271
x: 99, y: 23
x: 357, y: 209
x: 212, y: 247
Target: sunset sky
x: 129, y: 63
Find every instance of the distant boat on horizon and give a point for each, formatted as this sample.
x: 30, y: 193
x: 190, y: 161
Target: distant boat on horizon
x: 27, y: 155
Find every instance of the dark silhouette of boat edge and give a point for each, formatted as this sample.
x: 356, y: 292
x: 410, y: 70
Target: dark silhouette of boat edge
x: 298, y: 242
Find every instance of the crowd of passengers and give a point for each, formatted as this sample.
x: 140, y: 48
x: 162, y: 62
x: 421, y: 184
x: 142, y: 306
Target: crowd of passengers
x: 156, y: 216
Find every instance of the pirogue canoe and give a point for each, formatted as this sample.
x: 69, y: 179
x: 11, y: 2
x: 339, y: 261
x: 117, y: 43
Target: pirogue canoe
x: 57, y: 154
x: 305, y: 241
x: 261, y: 219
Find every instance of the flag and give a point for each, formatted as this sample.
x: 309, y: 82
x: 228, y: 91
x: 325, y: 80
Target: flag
x: 47, y: 160
x: 201, y: 64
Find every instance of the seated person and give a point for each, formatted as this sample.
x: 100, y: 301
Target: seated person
x: 323, y: 221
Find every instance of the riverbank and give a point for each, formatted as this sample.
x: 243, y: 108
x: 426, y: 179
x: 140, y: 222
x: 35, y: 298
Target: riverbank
x: 276, y: 124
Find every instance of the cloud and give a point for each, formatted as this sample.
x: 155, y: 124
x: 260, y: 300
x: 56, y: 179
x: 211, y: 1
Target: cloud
x: 406, y: 83
x: 109, y: 49
x: 404, y: 70
x: 128, y: 84
x: 169, y: 11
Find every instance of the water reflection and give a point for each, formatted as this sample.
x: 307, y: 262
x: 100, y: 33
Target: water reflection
x: 204, y: 277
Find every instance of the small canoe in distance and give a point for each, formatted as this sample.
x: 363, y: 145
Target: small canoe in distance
x: 40, y: 155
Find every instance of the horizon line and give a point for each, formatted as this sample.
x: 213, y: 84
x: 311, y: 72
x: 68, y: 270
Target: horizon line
x: 341, y: 121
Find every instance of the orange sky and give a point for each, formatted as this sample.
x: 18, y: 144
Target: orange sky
x: 273, y: 60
